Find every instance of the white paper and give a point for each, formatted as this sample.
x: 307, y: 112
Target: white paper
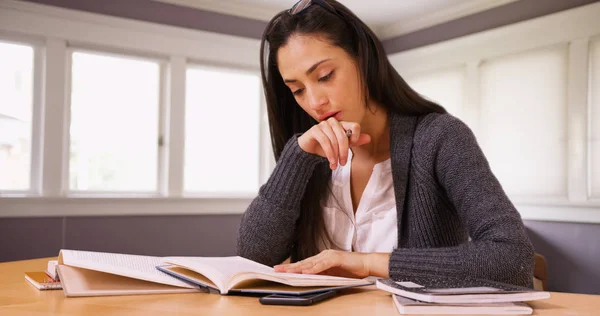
x: 133, y: 266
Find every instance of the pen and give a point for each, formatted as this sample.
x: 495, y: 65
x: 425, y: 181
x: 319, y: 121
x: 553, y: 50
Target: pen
x: 348, y: 134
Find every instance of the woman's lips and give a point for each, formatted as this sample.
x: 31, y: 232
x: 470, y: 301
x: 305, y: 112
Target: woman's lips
x: 336, y: 115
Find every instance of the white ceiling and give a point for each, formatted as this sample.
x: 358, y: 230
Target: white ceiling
x: 388, y: 18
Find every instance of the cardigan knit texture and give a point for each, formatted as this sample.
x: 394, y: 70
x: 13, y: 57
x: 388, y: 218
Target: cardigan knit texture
x: 454, y: 218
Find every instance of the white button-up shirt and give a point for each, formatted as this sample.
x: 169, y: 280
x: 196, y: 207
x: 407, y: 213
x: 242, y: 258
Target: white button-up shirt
x: 374, y: 226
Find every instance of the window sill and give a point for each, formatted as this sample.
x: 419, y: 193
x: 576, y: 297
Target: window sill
x: 574, y: 213
x: 556, y: 210
x: 28, y: 206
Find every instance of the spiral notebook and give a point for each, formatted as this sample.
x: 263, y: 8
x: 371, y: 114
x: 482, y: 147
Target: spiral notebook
x: 454, y: 290
x: 42, y: 281
x: 407, y: 306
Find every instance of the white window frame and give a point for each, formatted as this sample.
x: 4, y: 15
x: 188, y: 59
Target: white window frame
x: 58, y: 30
x: 263, y: 152
x: 587, y: 169
x: 35, y: 167
x: 163, y: 124
x: 575, y: 28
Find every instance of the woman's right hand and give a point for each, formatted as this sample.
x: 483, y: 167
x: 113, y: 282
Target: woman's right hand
x: 328, y: 139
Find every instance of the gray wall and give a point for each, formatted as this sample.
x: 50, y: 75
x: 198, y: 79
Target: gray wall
x: 507, y: 14
x: 572, y: 250
x: 169, y: 14
x: 200, y: 235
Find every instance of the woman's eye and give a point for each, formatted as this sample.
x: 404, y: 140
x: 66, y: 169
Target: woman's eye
x: 297, y: 92
x: 325, y: 78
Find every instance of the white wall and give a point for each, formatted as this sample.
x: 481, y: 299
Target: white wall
x: 529, y: 92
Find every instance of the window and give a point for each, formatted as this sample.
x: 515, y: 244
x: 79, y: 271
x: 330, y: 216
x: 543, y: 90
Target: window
x: 523, y: 121
x: 222, y: 128
x: 16, y: 95
x: 444, y: 87
x: 114, y: 123
x: 595, y: 119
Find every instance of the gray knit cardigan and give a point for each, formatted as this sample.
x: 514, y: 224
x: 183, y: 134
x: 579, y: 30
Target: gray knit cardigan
x: 445, y: 193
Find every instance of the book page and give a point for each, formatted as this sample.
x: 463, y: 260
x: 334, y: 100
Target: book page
x: 219, y: 269
x: 228, y: 267
x: 225, y: 272
x: 133, y: 266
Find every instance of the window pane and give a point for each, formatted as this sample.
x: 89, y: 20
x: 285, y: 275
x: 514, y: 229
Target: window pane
x: 16, y: 91
x: 444, y: 87
x: 114, y: 123
x: 222, y: 131
x: 524, y: 111
x: 595, y: 120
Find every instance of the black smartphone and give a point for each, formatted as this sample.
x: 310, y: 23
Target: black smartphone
x: 296, y: 300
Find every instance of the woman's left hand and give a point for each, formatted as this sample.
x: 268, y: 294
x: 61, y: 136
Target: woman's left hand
x: 340, y: 263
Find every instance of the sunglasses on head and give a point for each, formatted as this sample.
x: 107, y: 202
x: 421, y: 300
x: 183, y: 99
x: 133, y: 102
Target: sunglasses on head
x: 303, y: 4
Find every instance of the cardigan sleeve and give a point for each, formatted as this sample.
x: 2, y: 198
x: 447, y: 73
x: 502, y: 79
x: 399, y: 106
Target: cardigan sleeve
x: 499, y: 248
x: 268, y: 225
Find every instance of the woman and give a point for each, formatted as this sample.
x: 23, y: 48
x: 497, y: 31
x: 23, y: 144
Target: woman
x: 371, y: 178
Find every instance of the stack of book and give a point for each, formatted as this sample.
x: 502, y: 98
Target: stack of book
x: 460, y: 296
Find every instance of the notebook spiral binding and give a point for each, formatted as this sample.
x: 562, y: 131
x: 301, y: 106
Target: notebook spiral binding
x: 42, y: 281
x: 51, y: 285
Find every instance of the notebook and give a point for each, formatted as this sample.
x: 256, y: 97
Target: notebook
x: 460, y: 290
x: 86, y: 273
x: 408, y: 306
x: 42, y: 281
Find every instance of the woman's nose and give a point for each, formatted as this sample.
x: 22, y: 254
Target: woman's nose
x: 316, y: 100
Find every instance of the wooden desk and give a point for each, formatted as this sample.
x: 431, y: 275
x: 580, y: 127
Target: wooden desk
x: 18, y: 297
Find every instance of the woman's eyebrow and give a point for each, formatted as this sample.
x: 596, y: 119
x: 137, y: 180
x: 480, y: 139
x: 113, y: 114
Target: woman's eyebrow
x: 310, y: 70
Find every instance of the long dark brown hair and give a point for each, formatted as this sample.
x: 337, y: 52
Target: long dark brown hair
x: 380, y: 82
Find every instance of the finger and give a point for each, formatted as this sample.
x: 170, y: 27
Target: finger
x: 325, y: 144
x: 306, y: 262
x: 281, y: 267
x: 357, y: 138
x: 303, y: 264
x: 354, y: 127
x: 362, y: 139
x: 342, y: 140
x: 300, y: 266
x: 319, y: 266
x: 326, y: 255
x: 328, y: 130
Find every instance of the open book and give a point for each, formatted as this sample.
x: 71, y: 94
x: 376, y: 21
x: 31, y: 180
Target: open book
x: 460, y: 291
x: 408, y: 306
x: 86, y: 273
x: 241, y: 275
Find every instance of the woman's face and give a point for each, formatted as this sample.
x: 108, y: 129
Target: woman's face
x: 323, y: 78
